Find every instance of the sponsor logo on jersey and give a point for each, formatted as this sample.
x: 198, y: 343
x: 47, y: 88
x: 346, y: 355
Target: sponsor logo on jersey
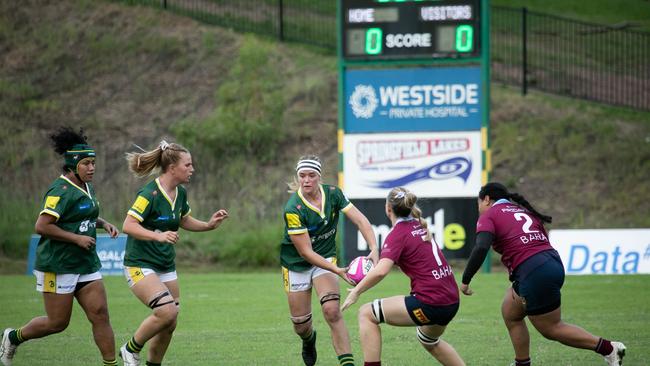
x: 293, y: 221
x: 162, y: 218
x: 455, y: 167
x: 140, y: 204
x: 84, y: 206
x: 52, y: 201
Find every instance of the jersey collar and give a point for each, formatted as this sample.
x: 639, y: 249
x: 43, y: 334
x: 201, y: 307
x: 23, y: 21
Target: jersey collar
x: 162, y: 190
x: 86, y: 192
x: 500, y: 201
x: 321, y: 211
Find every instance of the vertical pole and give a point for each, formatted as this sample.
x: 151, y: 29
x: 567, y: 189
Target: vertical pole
x: 281, y: 20
x: 485, y: 124
x: 164, y: 4
x: 524, y: 50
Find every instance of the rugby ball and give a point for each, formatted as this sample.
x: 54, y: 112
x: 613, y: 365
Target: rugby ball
x: 359, y: 268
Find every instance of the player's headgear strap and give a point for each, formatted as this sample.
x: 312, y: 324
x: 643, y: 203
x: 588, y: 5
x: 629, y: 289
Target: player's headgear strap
x: 308, y: 164
x: 76, y: 154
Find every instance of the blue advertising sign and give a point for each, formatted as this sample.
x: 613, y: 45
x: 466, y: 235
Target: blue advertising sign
x: 415, y: 99
x: 109, y: 250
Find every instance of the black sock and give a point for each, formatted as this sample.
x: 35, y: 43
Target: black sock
x: 346, y: 359
x: 524, y: 362
x: 133, y: 346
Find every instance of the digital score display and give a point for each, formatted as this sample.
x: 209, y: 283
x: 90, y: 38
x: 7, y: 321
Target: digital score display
x: 434, y: 29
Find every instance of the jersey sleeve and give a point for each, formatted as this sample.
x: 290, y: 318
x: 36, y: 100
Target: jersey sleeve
x: 485, y: 223
x: 142, y: 206
x: 392, y: 247
x: 344, y: 203
x: 55, y: 202
x: 186, y: 209
x: 293, y: 222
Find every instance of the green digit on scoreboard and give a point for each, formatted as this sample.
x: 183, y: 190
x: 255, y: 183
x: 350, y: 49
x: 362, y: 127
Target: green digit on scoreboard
x: 464, y: 38
x: 374, y: 41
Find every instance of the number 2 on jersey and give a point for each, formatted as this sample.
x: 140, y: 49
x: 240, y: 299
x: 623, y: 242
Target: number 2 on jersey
x: 527, y: 224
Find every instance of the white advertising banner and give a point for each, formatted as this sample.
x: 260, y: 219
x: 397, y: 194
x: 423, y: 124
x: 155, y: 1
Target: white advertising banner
x: 603, y: 251
x: 431, y: 164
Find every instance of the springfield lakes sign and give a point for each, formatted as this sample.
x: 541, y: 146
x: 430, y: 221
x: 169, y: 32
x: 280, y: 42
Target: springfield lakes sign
x: 431, y: 164
x: 417, y: 99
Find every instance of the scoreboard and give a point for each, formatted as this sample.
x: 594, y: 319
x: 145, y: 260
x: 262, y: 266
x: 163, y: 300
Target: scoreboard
x: 416, y: 29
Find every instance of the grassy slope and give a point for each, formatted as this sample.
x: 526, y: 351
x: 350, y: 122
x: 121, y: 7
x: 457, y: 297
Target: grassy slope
x: 634, y: 12
x: 136, y: 75
x: 242, y: 319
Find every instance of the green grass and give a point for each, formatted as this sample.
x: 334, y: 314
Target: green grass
x: 242, y: 319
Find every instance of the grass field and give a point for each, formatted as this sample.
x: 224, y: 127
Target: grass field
x: 242, y: 319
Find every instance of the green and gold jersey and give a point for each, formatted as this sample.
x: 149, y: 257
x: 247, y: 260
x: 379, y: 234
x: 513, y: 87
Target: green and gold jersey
x: 320, y: 222
x: 76, y: 211
x: 156, y: 212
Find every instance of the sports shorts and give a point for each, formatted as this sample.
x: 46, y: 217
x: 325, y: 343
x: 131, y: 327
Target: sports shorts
x: 135, y: 274
x: 303, y: 281
x: 425, y: 314
x: 540, y: 287
x: 63, y: 283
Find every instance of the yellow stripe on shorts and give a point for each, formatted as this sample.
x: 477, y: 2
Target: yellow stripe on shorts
x: 49, y: 282
x: 285, y: 278
x: 135, y: 273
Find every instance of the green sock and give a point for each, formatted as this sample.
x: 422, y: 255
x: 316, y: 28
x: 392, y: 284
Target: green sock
x: 346, y: 359
x: 133, y: 346
x: 16, y: 337
x: 110, y: 363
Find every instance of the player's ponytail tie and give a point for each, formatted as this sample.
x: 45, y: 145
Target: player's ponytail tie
x: 399, y: 195
x: 163, y: 145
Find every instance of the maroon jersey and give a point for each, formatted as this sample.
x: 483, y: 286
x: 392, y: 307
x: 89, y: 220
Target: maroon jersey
x: 432, y: 280
x: 518, y: 233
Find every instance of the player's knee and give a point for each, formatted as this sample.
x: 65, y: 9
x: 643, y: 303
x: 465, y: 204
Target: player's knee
x: 365, y: 314
x: 164, y: 308
x: 427, y: 341
x: 57, y: 325
x: 330, y: 306
x: 98, y: 315
x: 301, y: 324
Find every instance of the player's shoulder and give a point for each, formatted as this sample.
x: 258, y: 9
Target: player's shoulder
x: 294, y: 203
x: 59, y: 186
x: 148, y: 189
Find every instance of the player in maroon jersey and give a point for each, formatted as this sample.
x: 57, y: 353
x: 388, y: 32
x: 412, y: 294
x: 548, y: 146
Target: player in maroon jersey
x: 433, y: 301
x: 509, y: 224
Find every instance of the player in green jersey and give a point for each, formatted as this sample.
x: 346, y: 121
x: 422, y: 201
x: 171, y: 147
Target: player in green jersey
x: 308, y: 256
x: 152, y: 223
x: 67, y: 265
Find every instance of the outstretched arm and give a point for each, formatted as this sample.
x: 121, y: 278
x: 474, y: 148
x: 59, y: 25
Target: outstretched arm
x: 304, y: 248
x: 372, y: 278
x: 365, y: 228
x: 484, y: 241
x: 191, y: 224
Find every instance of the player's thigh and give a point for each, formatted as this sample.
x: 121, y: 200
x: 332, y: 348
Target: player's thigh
x: 174, y: 289
x: 299, y: 303
x: 92, y: 298
x: 58, y: 307
x: 395, y: 312
x: 327, y: 284
x: 150, y: 287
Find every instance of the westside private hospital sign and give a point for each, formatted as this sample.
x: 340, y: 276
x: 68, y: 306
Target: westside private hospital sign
x: 414, y: 99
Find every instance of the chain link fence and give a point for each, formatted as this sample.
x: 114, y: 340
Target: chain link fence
x: 604, y: 63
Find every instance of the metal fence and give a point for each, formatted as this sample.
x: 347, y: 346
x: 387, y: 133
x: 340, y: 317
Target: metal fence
x: 607, y: 64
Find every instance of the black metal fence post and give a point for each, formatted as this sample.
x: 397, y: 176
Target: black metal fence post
x: 281, y: 16
x: 524, y: 51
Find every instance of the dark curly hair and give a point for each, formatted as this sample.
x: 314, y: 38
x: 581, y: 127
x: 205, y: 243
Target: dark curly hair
x: 66, y: 137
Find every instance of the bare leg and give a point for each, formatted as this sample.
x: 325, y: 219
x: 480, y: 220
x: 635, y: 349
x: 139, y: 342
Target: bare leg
x: 513, y: 312
x: 299, y: 307
x: 551, y: 326
x: 92, y: 299
x: 160, y: 342
x: 162, y: 317
x: 328, y: 284
x: 58, y: 308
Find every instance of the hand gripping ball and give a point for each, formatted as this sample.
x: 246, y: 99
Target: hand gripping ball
x: 359, y: 268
